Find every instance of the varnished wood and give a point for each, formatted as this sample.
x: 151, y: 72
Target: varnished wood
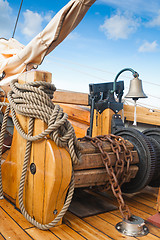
x: 1, y: 237
x: 35, y: 75
x: 79, y: 128
x: 65, y: 232
x: 46, y: 190
x: 96, y: 177
x: 87, y: 147
x: 106, y: 227
x: 102, y: 122
x: 97, y: 227
x: 15, y: 214
x: 84, y: 228
x: 94, y: 160
x: 9, y: 229
x: 144, y: 115
x: 70, y: 97
x: 37, y: 234
x: 77, y: 113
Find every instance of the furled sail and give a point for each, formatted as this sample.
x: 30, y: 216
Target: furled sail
x: 14, y: 57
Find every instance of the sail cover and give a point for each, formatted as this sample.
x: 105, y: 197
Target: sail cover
x: 15, y: 57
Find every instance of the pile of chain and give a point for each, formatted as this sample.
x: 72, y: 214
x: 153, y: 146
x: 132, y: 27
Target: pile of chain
x: 33, y: 100
x: 118, y: 175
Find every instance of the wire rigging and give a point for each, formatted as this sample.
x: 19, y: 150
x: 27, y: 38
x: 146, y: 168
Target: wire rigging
x: 97, y: 69
x: 17, y: 19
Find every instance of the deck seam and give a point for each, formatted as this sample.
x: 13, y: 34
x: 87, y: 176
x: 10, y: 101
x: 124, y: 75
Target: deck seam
x: 54, y: 234
x: 3, y: 236
x: 98, y: 229
x: 149, y: 200
x: 109, y: 222
x: 120, y: 218
x: 142, y: 204
x: 16, y: 222
x: 76, y: 231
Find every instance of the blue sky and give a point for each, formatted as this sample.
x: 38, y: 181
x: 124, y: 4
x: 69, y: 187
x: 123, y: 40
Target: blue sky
x: 113, y: 35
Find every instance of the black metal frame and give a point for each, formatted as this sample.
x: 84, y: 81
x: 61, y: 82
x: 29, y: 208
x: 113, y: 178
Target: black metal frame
x: 102, y: 97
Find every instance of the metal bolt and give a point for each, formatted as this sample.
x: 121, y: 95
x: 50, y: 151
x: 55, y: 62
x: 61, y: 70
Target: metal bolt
x: 55, y: 212
x: 33, y: 168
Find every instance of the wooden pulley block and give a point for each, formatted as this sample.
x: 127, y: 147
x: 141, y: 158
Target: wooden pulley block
x: 49, y: 170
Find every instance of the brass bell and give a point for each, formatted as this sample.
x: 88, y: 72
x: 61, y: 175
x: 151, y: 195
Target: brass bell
x: 135, y: 89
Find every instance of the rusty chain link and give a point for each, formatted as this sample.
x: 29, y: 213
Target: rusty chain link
x: 120, y: 175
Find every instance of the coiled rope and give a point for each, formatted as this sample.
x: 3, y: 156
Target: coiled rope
x: 33, y: 100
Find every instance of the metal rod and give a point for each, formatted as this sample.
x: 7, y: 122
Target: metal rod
x: 17, y: 19
x: 135, y: 74
x: 91, y: 117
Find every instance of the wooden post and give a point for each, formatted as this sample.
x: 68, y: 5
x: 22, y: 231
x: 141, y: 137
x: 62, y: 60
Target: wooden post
x: 102, y: 122
x: 45, y: 191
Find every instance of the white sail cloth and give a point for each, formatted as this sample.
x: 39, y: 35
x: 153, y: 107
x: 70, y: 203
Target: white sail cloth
x: 14, y: 57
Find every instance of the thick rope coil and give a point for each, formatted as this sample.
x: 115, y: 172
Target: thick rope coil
x: 33, y: 100
x: 30, y: 101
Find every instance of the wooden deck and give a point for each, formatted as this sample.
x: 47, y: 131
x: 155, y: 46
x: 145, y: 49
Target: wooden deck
x: 14, y: 226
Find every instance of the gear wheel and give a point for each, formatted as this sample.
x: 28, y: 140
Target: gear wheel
x: 154, y: 135
x: 147, y: 159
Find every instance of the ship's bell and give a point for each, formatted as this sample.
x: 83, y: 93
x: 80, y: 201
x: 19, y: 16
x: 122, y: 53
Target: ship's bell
x: 135, y: 89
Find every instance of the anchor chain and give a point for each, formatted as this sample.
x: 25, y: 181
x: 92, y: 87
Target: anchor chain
x: 120, y: 175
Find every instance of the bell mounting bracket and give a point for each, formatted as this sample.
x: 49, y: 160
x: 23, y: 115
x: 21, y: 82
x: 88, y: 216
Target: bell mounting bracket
x: 102, y: 97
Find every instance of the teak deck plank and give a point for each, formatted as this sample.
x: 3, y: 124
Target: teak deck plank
x: 15, y: 214
x: 102, y: 226
x: 66, y: 233
x: 106, y: 228
x: 41, y: 235
x: 10, y: 229
x: 1, y: 237
x: 82, y: 227
x: 109, y: 217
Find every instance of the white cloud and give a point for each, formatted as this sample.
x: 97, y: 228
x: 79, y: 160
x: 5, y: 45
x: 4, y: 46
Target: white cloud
x: 135, y: 6
x: 148, y: 47
x: 49, y: 16
x: 119, y: 26
x: 6, y: 20
x: 32, y: 23
x: 73, y: 36
x: 155, y: 22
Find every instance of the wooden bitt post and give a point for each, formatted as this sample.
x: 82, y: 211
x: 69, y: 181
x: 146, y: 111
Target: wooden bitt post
x: 102, y: 122
x: 45, y: 191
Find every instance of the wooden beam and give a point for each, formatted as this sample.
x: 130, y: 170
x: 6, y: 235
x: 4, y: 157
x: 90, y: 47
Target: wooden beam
x: 77, y: 113
x: 97, y: 177
x: 70, y: 97
x: 94, y: 160
x: 144, y: 115
x: 87, y: 147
